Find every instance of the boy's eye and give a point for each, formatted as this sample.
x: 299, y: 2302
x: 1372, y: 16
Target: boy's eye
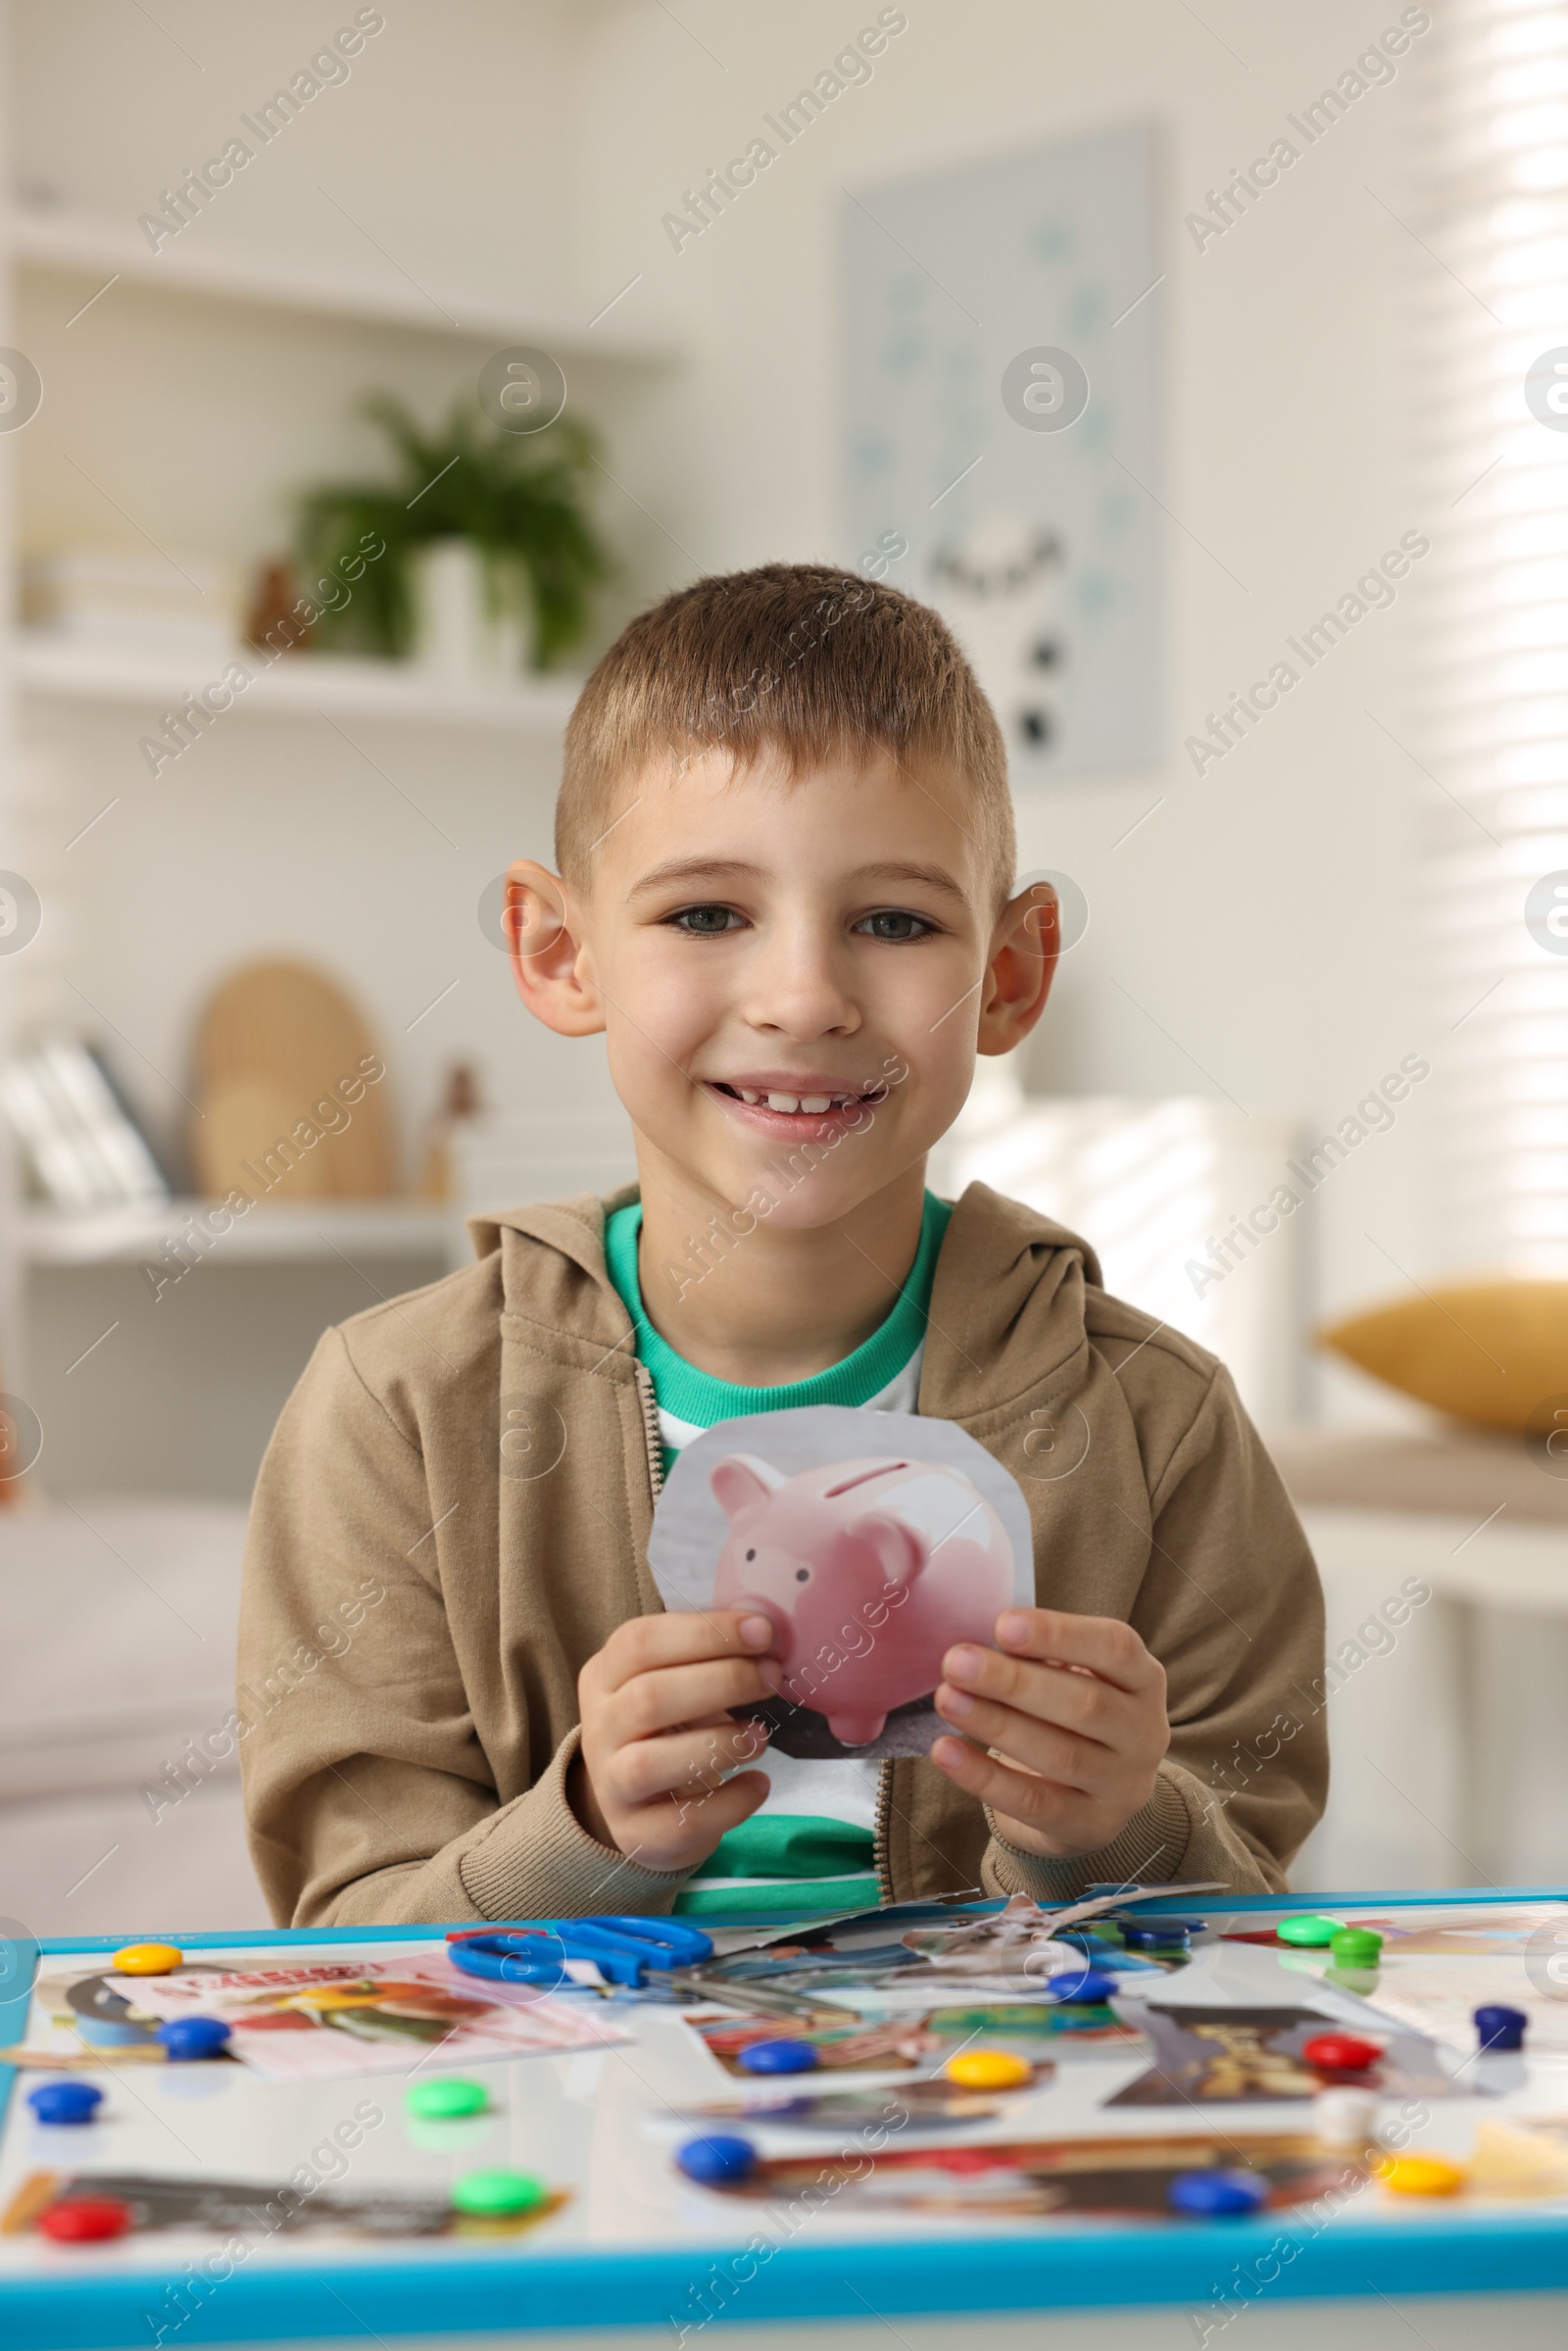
x: 894, y: 924
x: 706, y: 922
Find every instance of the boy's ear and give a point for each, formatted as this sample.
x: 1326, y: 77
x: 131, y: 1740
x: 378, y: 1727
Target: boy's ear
x: 549, y: 960
x: 1024, y: 946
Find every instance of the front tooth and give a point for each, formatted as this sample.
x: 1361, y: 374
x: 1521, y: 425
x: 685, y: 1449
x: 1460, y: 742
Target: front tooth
x: 746, y: 1095
x: 817, y: 1102
x: 783, y: 1101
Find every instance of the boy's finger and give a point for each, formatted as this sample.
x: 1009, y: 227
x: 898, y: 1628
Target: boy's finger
x: 1085, y: 1704
x: 679, y: 1637
x: 1041, y: 1747
x: 682, y: 1695
x: 684, y: 1764
x: 1017, y: 1795
x: 1102, y: 1645
x: 703, y: 1818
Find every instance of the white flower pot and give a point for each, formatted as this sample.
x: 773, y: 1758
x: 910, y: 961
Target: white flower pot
x: 456, y: 633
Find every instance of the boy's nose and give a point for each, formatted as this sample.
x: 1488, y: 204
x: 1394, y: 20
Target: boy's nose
x: 800, y: 993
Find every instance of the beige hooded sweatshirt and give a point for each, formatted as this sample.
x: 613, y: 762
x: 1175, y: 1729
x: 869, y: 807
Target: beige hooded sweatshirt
x: 454, y: 1515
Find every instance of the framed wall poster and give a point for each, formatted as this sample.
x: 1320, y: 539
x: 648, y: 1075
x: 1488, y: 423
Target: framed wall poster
x: 1000, y: 332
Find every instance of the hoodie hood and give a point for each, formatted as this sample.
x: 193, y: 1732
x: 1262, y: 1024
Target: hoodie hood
x: 1008, y: 1307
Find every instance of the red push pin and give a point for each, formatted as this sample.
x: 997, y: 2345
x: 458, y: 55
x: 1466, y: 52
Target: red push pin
x: 85, y: 2219
x: 1340, y: 2052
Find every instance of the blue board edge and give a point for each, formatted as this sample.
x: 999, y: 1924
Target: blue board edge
x: 1104, y: 2266
x: 1361, y: 1898
x: 1099, y: 2267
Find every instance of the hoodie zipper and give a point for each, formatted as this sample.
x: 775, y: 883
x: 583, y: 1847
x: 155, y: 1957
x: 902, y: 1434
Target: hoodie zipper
x: 879, y: 1833
x: 653, y: 1436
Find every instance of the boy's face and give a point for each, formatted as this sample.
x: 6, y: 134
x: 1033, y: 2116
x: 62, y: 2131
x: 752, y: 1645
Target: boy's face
x: 783, y: 961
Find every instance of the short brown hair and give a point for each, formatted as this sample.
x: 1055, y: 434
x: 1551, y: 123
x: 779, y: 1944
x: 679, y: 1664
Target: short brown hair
x: 798, y: 658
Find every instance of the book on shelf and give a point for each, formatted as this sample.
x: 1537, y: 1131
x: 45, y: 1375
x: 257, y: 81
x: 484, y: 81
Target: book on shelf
x: 82, y: 1139
x: 109, y: 602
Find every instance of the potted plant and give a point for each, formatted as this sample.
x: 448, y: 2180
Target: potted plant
x: 515, y: 504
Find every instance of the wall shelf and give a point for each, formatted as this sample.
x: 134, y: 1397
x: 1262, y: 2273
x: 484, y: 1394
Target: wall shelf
x: 305, y: 1232
x: 102, y: 250
x: 302, y: 685
x: 241, y: 350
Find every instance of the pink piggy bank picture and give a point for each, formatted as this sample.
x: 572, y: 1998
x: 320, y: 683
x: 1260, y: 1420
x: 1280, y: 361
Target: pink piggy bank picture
x: 868, y: 1570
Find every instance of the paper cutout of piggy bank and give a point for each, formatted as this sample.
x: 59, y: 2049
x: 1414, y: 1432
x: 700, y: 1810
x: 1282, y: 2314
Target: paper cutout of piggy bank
x: 868, y: 1570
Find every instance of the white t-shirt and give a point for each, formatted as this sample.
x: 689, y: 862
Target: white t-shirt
x: 800, y: 1786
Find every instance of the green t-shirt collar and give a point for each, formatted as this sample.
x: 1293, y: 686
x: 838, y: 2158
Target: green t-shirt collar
x: 696, y: 1396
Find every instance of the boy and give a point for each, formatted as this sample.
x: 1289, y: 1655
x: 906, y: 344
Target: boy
x: 785, y: 848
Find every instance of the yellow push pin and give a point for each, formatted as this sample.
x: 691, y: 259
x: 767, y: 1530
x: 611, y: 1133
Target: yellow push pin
x: 989, y: 2069
x: 148, y: 1959
x: 1421, y: 2176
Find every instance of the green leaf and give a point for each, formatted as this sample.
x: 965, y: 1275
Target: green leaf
x: 521, y: 499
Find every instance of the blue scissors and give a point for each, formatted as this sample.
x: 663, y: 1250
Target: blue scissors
x: 622, y: 1950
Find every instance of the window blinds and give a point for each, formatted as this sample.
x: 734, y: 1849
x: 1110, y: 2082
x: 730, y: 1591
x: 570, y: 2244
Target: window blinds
x: 1493, y: 408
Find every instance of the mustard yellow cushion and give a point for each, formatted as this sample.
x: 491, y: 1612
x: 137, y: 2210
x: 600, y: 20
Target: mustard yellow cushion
x: 1493, y: 1352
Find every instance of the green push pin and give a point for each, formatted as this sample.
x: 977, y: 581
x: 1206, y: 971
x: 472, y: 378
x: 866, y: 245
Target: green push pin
x: 499, y: 2195
x: 1357, y: 1948
x: 1308, y: 1931
x: 441, y: 2099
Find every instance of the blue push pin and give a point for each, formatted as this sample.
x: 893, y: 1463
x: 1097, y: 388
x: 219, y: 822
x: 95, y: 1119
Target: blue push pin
x: 1076, y: 1986
x: 719, y: 2162
x: 1216, y: 2195
x: 1501, y: 2028
x: 778, y: 2057
x: 65, y: 2101
x: 190, y: 2037
x: 1156, y: 1934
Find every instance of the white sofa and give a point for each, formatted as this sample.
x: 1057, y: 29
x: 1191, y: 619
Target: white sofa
x: 119, y: 1648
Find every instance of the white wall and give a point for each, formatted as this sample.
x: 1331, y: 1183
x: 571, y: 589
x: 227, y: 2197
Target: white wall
x: 1265, y: 914
x: 450, y: 143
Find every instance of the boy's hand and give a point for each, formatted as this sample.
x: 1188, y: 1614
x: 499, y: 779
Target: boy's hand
x: 656, y: 1739
x: 1072, y: 1711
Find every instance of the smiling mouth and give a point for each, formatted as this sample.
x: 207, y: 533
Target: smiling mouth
x: 796, y: 1105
